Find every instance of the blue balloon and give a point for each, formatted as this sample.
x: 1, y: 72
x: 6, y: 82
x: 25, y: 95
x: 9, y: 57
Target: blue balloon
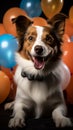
x: 32, y: 7
x: 8, y: 46
x: 71, y: 38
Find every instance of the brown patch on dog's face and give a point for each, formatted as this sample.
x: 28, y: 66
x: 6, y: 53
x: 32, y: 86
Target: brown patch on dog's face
x: 30, y: 38
x: 47, y: 37
x: 51, y: 40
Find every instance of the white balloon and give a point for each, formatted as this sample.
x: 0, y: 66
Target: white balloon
x: 66, y: 75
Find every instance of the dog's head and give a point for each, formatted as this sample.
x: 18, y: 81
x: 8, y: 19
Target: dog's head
x: 41, y: 44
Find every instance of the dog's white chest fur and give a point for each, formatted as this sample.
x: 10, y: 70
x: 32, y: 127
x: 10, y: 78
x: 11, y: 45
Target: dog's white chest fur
x: 39, y: 92
x: 36, y: 91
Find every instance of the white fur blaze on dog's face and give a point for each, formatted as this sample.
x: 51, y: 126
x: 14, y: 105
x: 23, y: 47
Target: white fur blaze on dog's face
x: 39, y: 48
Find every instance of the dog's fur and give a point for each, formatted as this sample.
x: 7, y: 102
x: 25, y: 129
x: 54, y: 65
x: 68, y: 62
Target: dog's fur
x: 40, y: 74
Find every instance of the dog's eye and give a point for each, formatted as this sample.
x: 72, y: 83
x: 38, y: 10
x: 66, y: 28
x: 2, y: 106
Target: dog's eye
x: 30, y: 38
x: 49, y: 38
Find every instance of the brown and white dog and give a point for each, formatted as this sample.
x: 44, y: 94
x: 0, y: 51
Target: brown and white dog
x: 40, y: 74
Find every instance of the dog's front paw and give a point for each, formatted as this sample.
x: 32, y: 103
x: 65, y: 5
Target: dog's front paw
x: 63, y: 122
x: 16, y: 122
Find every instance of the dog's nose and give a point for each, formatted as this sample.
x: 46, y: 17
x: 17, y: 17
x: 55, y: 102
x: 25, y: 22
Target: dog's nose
x: 38, y: 49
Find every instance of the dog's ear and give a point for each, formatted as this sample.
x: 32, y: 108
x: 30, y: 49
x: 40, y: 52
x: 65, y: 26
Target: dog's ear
x: 22, y: 23
x: 58, y: 23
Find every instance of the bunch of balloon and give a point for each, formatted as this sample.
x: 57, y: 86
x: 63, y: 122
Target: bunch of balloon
x: 7, y: 19
x: 32, y: 7
x: 4, y: 86
x: 51, y: 7
x: 8, y: 47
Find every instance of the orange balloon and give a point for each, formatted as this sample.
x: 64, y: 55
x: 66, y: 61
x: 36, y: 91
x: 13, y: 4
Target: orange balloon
x: 51, y: 7
x: 10, y: 74
x: 2, y: 29
x: 39, y: 21
x: 68, y: 28
x: 8, y: 71
x: 7, y: 19
x: 71, y: 14
x: 66, y: 38
x: 4, y: 86
x: 69, y: 91
x: 67, y: 57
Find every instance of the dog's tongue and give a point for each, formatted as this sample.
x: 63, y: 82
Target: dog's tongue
x: 38, y: 63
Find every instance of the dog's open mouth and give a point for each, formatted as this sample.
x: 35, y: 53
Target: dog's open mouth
x: 39, y: 62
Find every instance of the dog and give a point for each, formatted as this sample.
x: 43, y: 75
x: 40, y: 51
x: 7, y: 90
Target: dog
x: 40, y: 73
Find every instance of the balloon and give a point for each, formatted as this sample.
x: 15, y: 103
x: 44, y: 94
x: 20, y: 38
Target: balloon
x: 7, y: 19
x: 71, y: 38
x: 32, y: 7
x: 68, y: 28
x: 66, y: 38
x: 69, y: 91
x: 8, y: 46
x: 67, y: 57
x: 4, y: 86
x: 39, y: 21
x: 51, y: 7
x: 2, y: 29
x: 71, y: 14
x: 10, y: 73
x: 66, y: 73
